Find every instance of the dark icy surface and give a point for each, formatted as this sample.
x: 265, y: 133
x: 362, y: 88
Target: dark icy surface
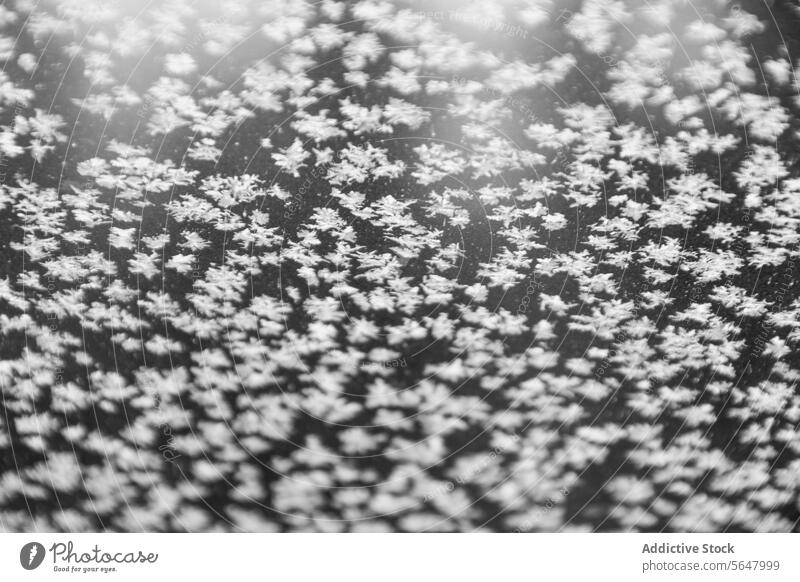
x: 490, y: 271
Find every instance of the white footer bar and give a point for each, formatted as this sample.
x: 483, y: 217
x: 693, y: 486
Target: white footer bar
x: 400, y: 557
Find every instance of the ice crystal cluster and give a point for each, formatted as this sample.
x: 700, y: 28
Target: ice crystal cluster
x: 377, y: 265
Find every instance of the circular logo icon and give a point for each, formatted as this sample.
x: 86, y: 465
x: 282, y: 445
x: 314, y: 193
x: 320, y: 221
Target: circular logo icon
x: 31, y: 555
